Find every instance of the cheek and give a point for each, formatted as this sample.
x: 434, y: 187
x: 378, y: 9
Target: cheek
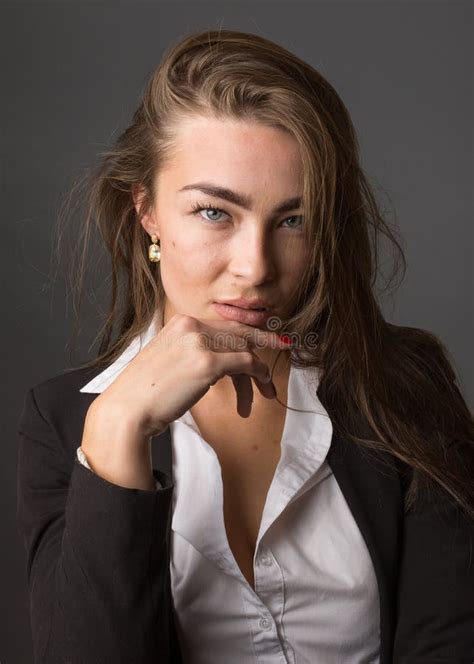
x: 188, y: 264
x: 295, y: 259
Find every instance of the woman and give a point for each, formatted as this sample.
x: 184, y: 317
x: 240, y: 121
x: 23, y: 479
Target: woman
x: 203, y: 491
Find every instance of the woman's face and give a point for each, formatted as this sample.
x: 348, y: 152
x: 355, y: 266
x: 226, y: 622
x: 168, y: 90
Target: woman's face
x: 246, y: 248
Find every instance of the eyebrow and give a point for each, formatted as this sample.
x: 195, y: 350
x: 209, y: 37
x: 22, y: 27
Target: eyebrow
x: 242, y: 200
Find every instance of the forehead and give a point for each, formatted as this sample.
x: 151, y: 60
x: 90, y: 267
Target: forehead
x: 246, y: 154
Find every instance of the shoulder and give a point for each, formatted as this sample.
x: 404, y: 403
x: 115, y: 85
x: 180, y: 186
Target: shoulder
x: 55, y: 407
x: 65, y: 385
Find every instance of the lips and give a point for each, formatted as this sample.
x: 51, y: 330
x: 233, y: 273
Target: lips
x: 245, y: 303
x: 242, y: 314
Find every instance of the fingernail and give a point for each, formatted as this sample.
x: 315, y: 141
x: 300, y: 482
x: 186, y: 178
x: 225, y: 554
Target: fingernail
x: 285, y: 338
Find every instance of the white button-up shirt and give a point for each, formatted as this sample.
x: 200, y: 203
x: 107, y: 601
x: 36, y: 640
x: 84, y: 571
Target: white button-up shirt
x: 316, y: 597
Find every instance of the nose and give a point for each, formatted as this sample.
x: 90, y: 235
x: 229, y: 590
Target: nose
x: 253, y: 258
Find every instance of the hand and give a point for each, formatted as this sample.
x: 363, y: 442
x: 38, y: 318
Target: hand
x: 180, y: 364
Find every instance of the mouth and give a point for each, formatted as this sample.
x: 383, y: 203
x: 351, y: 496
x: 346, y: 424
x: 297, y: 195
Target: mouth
x: 248, y: 315
x: 249, y: 304
x: 245, y: 308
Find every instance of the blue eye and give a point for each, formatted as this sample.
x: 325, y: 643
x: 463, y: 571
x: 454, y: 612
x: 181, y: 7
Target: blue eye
x: 198, y: 207
x: 300, y: 217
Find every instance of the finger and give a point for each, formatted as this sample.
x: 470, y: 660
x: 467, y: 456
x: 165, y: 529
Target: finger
x: 238, y: 334
x: 245, y: 391
x: 231, y: 365
x: 268, y: 390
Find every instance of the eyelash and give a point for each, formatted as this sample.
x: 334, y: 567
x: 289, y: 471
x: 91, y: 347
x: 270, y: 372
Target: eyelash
x: 198, y: 207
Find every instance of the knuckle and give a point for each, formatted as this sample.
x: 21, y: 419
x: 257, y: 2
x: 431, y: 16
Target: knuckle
x: 187, y: 323
x: 200, y: 339
x: 176, y: 318
x: 203, y: 339
x: 205, y: 363
x: 248, y: 358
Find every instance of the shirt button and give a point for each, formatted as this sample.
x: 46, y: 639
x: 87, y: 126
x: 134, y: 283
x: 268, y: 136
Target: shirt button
x: 265, y: 623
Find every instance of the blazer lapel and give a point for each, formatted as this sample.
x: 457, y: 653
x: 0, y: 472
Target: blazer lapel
x: 370, y: 483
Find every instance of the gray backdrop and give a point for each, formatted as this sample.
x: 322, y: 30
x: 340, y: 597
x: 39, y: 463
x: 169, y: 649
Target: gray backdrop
x: 72, y: 76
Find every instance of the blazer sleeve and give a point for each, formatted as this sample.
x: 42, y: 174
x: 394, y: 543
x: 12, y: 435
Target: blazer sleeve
x: 435, y: 622
x: 97, y: 555
x: 83, y: 459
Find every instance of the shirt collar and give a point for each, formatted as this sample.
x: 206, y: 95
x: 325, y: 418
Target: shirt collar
x: 106, y: 377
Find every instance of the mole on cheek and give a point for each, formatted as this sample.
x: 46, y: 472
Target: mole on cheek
x: 255, y: 447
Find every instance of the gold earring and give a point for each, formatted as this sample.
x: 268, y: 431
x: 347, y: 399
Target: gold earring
x: 154, y: 253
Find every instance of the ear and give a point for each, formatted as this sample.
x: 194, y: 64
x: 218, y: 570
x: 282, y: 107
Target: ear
x: 148, y: 221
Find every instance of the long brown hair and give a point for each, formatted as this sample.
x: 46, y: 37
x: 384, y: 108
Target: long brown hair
x: 385, y: 387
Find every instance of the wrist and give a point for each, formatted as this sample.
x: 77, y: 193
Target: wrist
x: 113, y: 419
x: 106, y: 426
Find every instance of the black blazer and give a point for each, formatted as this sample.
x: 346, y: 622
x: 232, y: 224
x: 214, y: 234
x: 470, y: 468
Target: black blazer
x: 98, y: 554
